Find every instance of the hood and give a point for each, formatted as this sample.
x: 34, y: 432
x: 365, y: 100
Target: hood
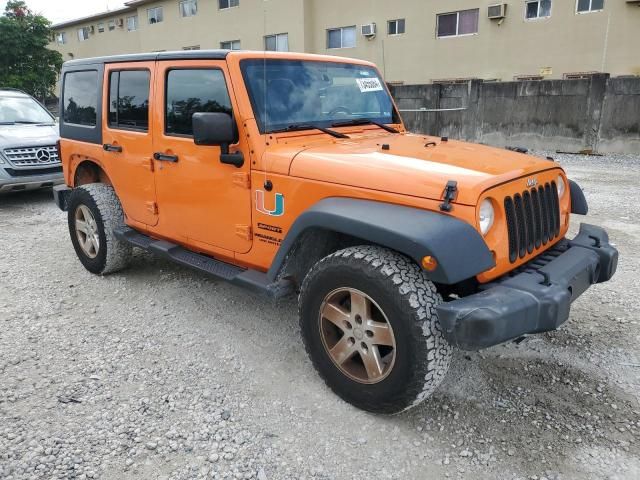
x: 410, y: 167
x: 12, y: 136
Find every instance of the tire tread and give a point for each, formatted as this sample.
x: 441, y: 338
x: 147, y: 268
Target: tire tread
x: 421, y: 298
x: 118, y: 253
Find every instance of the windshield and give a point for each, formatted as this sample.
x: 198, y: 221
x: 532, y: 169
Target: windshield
x: 22, y: 110
x: 287, y: 93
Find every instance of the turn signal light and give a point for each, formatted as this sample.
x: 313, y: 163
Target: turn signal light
x: 429, y: 263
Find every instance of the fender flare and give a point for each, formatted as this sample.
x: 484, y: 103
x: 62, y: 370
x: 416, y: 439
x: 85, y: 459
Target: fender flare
x: 579, y: 204
x: 458, y: 247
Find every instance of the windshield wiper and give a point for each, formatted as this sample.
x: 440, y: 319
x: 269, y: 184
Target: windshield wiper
x: 364, y: 121
x: 297, y: 128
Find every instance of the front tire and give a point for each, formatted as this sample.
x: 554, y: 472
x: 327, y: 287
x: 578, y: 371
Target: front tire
x: 94, y: 213
x: 369, y: 324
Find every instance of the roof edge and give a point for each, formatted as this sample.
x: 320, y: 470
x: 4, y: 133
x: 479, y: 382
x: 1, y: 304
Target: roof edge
x: 95, y: 16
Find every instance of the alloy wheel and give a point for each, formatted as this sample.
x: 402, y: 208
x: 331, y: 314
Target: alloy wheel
x: 357, y: 335
x: 87, y: 231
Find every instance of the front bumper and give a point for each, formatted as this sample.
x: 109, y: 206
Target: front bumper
x: 17, y: 182
x: 535, y: 298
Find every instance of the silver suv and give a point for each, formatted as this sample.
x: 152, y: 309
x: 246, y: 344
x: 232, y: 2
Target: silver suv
x: 28, y: 143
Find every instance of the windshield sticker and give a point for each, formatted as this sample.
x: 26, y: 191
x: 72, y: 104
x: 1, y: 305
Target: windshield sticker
x: 369, y: 85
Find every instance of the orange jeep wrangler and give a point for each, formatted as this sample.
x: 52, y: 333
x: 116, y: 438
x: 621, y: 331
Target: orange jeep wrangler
x: 294, y: 173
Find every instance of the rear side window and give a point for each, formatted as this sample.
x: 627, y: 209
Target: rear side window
x: 129, y: 99
x: 192, y: 91
x: 80, y: 98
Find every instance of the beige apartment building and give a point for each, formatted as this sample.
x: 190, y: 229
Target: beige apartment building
x: 413, y: 41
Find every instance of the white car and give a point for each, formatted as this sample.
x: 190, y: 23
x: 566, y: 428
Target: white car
x: 28, y: 143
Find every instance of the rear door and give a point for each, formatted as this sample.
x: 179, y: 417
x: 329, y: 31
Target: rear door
x: 127, y: 137
x: 198, y: 197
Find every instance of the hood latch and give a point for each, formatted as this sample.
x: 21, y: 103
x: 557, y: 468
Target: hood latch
x: 450, y: 193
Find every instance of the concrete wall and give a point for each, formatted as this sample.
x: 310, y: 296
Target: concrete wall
x: 600, y: 113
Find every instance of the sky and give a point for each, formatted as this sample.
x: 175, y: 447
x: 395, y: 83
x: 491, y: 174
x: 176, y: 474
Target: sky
x: 60, y: 10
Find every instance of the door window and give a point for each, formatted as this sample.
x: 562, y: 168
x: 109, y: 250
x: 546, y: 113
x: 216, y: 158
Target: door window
x: 193, y: 91
x: 129, y: 99
x: 80, y: 98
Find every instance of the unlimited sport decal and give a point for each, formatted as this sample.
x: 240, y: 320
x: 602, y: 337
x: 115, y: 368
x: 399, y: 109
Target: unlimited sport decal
x: 269, y: 236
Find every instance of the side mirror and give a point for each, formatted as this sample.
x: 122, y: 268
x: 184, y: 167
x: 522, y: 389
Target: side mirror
x: 217, y: 129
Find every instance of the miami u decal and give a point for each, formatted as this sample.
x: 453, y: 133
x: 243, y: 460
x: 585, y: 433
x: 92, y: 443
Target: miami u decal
x: 278, y: 211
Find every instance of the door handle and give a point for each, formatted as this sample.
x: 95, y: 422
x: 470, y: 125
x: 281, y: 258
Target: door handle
x: 162, y: 157
x: 112, y: 148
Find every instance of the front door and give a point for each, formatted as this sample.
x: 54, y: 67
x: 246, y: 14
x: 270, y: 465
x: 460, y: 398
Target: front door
x: 199, y: 199
x: 128, y: 137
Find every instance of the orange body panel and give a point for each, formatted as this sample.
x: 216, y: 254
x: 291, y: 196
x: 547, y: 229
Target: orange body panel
x: 228, y: 213
x: 195, y: 194
x: 134, y: 162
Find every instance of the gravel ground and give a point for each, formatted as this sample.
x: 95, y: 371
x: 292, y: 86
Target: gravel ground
x: 160, y: 372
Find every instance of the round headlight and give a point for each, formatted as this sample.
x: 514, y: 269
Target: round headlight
x: 561, y: 186
x: 486, y: 216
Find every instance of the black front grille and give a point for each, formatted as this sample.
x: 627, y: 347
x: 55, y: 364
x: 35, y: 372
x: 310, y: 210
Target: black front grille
x: 32, y: 172
x: 533, y: 219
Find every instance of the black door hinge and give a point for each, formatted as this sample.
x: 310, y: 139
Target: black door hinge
x: 450, y: 193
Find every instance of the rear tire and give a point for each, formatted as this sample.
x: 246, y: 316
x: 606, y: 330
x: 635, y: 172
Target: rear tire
x: 94, y: 213
x: 392, y: 357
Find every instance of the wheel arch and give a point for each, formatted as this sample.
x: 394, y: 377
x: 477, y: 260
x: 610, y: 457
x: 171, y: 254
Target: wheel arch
x: 87, y: 171
x: 336, y: 223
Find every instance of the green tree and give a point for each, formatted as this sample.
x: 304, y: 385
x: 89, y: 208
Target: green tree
x: 25, y: 61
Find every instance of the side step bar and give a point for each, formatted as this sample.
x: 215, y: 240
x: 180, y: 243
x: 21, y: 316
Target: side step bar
x: 251, y: 279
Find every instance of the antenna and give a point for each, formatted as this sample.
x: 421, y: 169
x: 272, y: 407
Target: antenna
x: 266, y: 92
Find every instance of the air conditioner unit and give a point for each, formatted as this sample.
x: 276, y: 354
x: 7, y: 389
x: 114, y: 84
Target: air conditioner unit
x: 496, y: 12
x: 120, y: 22
x: 369, y: 30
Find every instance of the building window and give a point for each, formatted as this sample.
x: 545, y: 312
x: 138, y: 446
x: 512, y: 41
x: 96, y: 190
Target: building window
x: 579, y: 75
x: 132, y: 23
x: 396, y: 27
x: 277, y: 43
x: 111, y: 25
x: 101, y: 27
x: 129, y: 99
x: 457, y: 24
x: 537, y: 9
x: 452, y: 81
x: 155, y: 15
x: 193, y: 91
x: 586, y: 6
x: 528, y: 78
x: 230, y: 45
x: 192, y: 47
x: 223, y: 4
x: 61, y: 38
x: 188, y: 8
x: 344, y: 37
x: 83, y: 34
x: 80, y: 98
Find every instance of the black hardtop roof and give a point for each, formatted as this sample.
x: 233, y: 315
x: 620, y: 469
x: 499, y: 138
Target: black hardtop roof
x: 153, y: 56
